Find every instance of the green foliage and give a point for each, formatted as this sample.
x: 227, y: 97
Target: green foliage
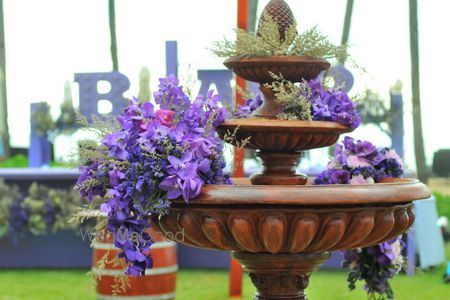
x: 16, y: 161
x: 443, y: 204
x: 100, y: 126
x: 91, y: 149
x: 63, y: 203
x: 8, y: 194
x: 293, y: 98
x: 268, y: 42
x: 372, y: 108
x: 144, y: 94
x: 67, y: 120
x: 43, y: 120
x: 48, y: 209
x: 21, y: 161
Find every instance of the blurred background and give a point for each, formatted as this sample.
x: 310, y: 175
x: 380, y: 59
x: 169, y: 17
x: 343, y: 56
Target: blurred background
x: 45, y: 43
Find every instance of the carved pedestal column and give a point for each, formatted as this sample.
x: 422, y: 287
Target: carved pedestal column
x: 279, y: 168
x: 280, y: 276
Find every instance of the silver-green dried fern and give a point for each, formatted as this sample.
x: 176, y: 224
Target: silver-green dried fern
x: 268, y: 42
x: 293, y: 97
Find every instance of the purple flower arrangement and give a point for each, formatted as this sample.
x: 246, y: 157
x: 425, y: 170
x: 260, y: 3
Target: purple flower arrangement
x: 169, y: 152
x: 360, y: 162
x: 332, y: 105
x: 157, y: 155
x: 326, y: 105
x: 375, y: 265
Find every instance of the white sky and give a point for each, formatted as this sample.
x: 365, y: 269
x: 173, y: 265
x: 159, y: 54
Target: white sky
x: 48, y: 41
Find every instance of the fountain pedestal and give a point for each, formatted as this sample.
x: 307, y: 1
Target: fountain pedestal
x: 279, y: 168
x: 280, y: 276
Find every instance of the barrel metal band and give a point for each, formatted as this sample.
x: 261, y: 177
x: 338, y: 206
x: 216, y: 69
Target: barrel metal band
x: 153, y: 271
x: 110, y: 246
x: 147, y: 297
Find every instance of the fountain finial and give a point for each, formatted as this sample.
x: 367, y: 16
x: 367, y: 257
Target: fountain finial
x: 280, y: 11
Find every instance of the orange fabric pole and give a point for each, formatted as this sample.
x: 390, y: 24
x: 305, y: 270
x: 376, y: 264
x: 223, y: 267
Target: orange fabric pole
x: 240, y: 82
x: 239, y: 154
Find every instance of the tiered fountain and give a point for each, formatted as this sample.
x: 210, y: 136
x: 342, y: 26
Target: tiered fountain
x: 278, y: 225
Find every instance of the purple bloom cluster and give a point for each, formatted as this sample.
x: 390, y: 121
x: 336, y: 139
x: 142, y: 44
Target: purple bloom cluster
x: 326, y: 105
x: 375, y: 265
x: 18, y: 218
x: 360, y: 162
x: 156, y: 156
x: 332, y: 105
x: 246, y: 109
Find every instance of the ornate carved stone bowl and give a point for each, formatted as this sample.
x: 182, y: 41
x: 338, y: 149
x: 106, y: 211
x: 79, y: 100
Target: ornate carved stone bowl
x: 271, y: 135
x: 282, y: 233
x: 293, y: 68
x: 259, y: 69
x: 280, y: 143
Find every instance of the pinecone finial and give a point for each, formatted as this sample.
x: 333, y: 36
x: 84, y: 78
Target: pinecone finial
x: 281, y: 13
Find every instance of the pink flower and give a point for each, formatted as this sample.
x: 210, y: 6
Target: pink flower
x: 359, y: 179
x: 354, y: 161
x: 143, y: 125
x: 165, y: 116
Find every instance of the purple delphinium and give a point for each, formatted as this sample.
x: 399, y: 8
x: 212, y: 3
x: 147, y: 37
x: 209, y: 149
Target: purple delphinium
x: 156, y: 156
x: 332, y: 105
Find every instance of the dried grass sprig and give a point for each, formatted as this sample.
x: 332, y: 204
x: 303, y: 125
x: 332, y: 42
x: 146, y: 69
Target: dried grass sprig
x: 293, y: 97
x: 268, y: 42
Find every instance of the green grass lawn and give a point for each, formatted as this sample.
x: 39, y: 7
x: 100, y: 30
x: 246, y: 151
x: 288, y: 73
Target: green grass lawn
x: 208, y: 285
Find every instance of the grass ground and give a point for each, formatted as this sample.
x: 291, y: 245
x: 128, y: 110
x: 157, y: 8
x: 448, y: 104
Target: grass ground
x: 439, y: 185
x: 211, y: 285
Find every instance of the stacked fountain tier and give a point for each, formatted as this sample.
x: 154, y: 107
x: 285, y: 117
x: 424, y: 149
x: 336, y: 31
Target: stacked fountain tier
x: 279, y: 226
x: 279, y: 143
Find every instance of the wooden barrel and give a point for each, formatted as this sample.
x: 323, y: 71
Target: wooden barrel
x: 158, y: 283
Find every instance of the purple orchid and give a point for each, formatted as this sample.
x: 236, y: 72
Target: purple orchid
x: 183, y: 167
x: 246, y: 109
x: 115, y: 143
x: 155, y: 157
x: 173, y: 186
x: 332, y: 105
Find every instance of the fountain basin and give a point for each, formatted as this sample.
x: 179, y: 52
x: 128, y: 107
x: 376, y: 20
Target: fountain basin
x: 294, y: 219
x: 279, y: 144
x: 282, y: 233
x: 293, y: 68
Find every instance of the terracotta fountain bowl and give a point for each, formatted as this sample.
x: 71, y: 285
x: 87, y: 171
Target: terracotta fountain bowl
x: 293, y: 68
x: 294, y: 219
x: 281, y: 135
